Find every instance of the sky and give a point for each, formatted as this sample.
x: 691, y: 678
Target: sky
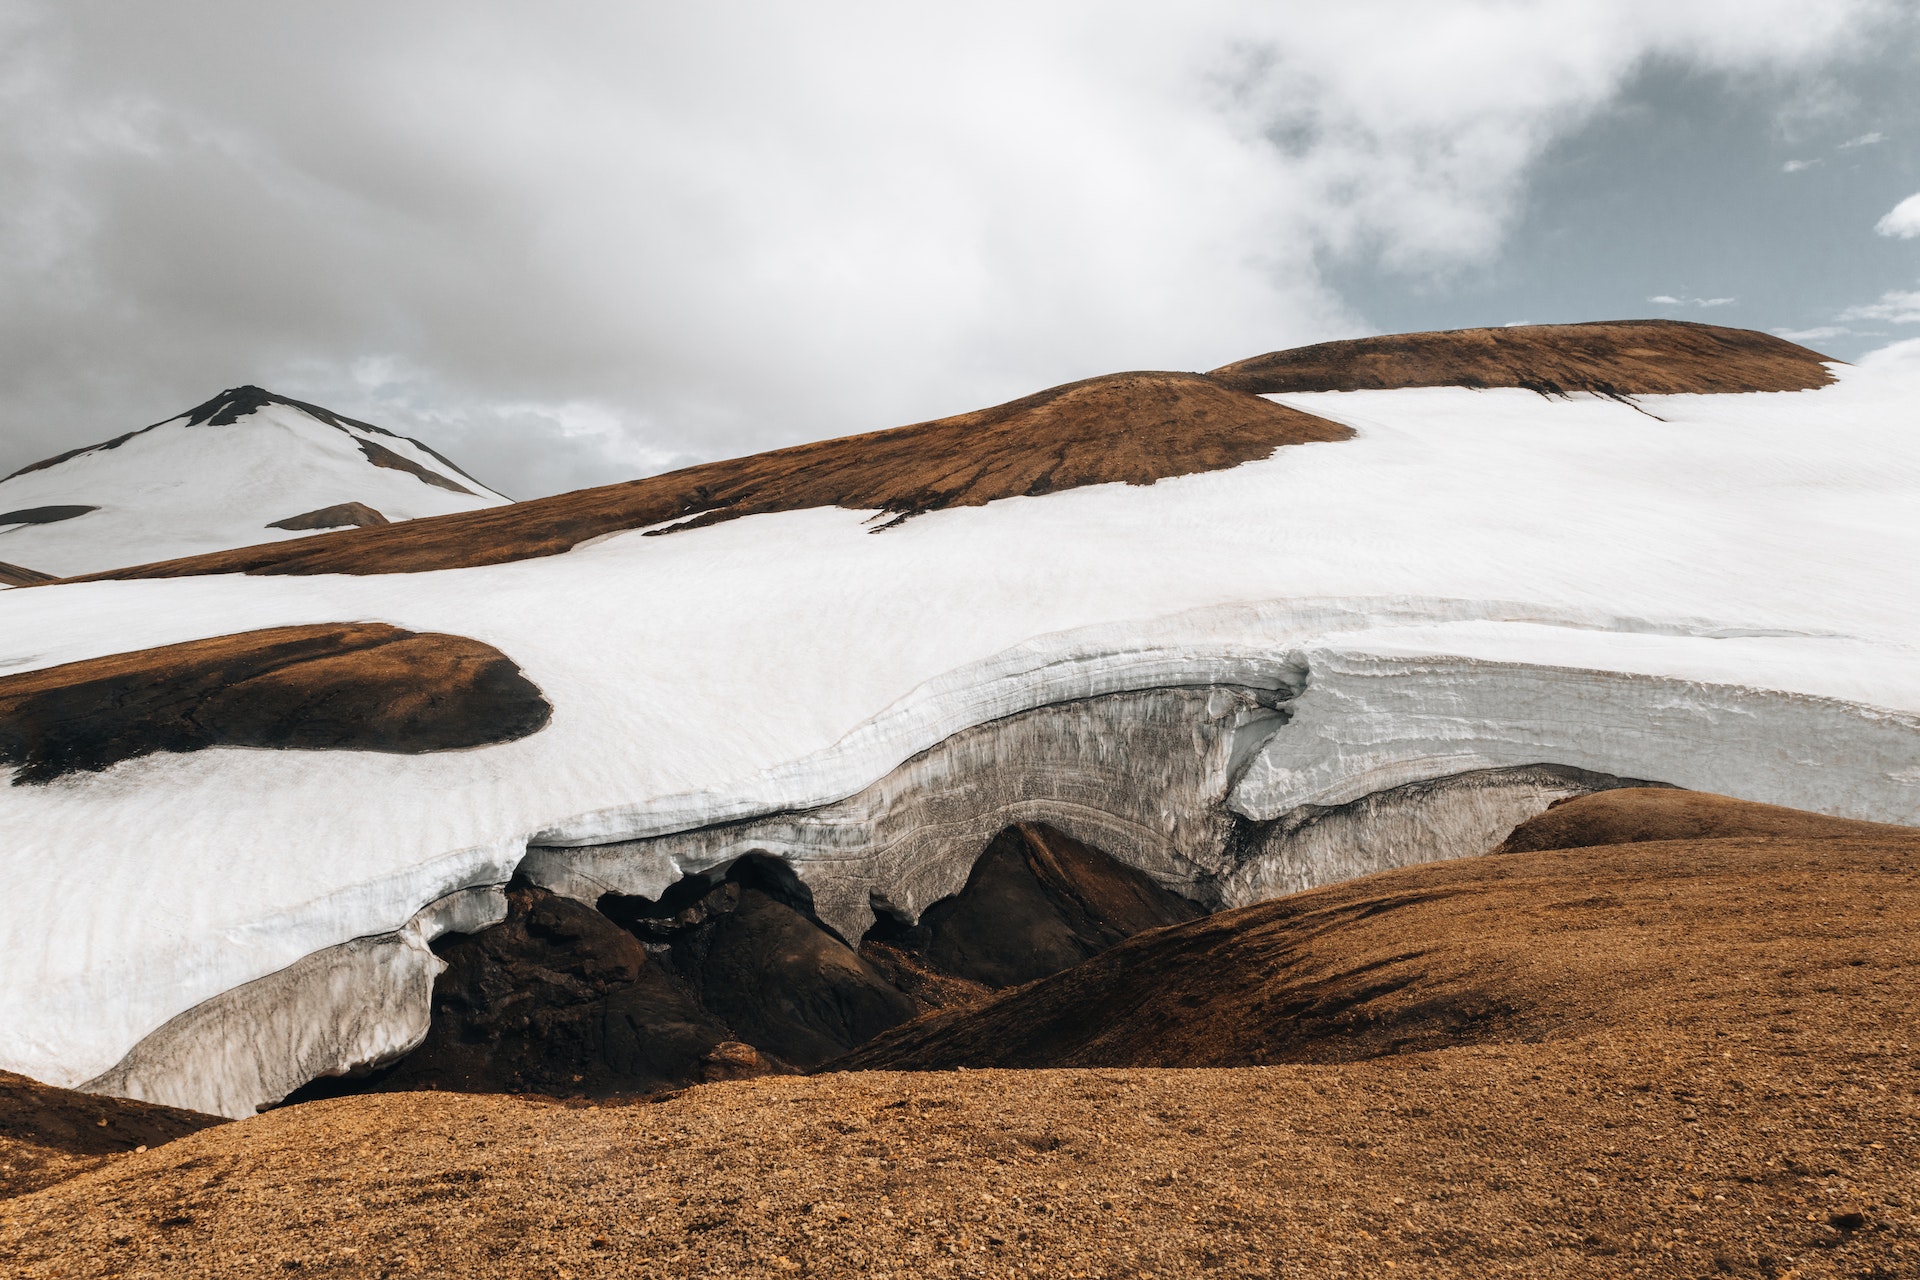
x: 577, y: 242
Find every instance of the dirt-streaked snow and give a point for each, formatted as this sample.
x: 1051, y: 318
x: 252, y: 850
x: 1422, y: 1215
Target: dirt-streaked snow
x: 1709, y: 579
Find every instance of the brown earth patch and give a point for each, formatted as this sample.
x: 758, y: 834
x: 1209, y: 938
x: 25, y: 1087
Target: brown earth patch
x: 1609, y: 358
x: 1632, y: 815
x: 14, y: 575
x: 356, y: 686
x: 340, y: 515
x: 1134, y: 428
x: 49, y: 1134
x: 1742, y: 1099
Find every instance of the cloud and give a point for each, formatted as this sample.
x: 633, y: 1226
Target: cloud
x: 1896, y: 306
x: 1816, y: 334
x: 570, y: 243
x: 1903, y: 220
x: 1864, y: 140
x: 1669, y: 300
x: 1795, y: 166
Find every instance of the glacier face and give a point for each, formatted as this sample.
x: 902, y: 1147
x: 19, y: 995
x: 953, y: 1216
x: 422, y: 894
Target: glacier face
x: 1477, y: 586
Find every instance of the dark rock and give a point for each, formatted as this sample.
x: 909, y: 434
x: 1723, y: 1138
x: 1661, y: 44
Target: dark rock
x: 1847, y: 1218
x: 557, y: 999
x: 45, y: 515
x: 766, y: 966
x: 1037, y: 902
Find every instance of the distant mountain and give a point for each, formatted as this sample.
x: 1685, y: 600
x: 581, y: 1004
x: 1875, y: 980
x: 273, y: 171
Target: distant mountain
x: 246, y: 467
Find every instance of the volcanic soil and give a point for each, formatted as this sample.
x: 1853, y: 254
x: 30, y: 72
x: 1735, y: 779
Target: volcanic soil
x: 1687, y: 1054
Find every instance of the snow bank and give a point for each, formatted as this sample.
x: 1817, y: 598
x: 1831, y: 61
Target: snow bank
x: 1720, y: 595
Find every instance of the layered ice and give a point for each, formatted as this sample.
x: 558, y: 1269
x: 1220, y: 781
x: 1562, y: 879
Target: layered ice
x: 1441, y: 622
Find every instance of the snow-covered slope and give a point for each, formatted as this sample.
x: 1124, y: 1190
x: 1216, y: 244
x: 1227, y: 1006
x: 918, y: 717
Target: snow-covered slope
x: 1352, y: 653
x: 243, y: 468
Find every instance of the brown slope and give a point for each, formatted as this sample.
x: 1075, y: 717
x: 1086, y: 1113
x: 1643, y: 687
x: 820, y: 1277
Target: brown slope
x: 1515, y: 947
x: 14, y: 575
x: 1636, y: 814
x: 1128, y: 427
x: 1745, y: 1101
x: 1611, y: 358
x: 360, y: 686
x: 49, y: 1134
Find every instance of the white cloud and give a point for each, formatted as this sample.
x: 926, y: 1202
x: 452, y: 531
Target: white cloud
x: 1896, y: 306
x: 1816, y: 334
x: 1666, y: 300
x: 1669, y: 300
x: 1714, y: 302
x: 598, y: 235
x: 1864, y: 140
x: 1902, y: 220
x: 1795, y: 166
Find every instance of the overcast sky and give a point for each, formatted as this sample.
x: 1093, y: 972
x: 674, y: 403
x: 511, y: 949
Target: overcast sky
x: 574, y: 242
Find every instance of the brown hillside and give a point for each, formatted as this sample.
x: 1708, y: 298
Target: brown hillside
x: 1632, y: 815
x: 357, y: 686
x: 1523, y: 946
x: 1696, y: 1059
x: 1610, y: 358
x: 1131, y: 427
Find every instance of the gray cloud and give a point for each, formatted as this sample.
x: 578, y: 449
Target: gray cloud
x: 576, y: 242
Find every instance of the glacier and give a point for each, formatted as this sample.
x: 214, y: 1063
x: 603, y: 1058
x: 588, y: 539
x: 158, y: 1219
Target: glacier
x: 1243, y: 682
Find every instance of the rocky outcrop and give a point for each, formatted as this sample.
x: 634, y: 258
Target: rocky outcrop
x: 344, y: 686
x: 1035, y: 903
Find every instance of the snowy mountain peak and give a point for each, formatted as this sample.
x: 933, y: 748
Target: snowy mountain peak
x: 246, y: 466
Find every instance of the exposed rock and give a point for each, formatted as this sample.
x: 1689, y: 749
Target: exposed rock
x: 340, y: 515
x: 1036, y: 902
x: 346, y: 686
x: 718, y: 981
x: 1131, y: 427
x: 764, y: 965
x: 381, y: 456
x: 1610, y: 358
x: 45, y: 515
x: 557, y: 999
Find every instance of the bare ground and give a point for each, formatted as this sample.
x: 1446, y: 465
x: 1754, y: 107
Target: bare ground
x: 1706, y: 1065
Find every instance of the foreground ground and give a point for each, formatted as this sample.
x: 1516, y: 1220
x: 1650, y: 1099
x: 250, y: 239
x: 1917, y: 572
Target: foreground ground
x: 1679, y: 1057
